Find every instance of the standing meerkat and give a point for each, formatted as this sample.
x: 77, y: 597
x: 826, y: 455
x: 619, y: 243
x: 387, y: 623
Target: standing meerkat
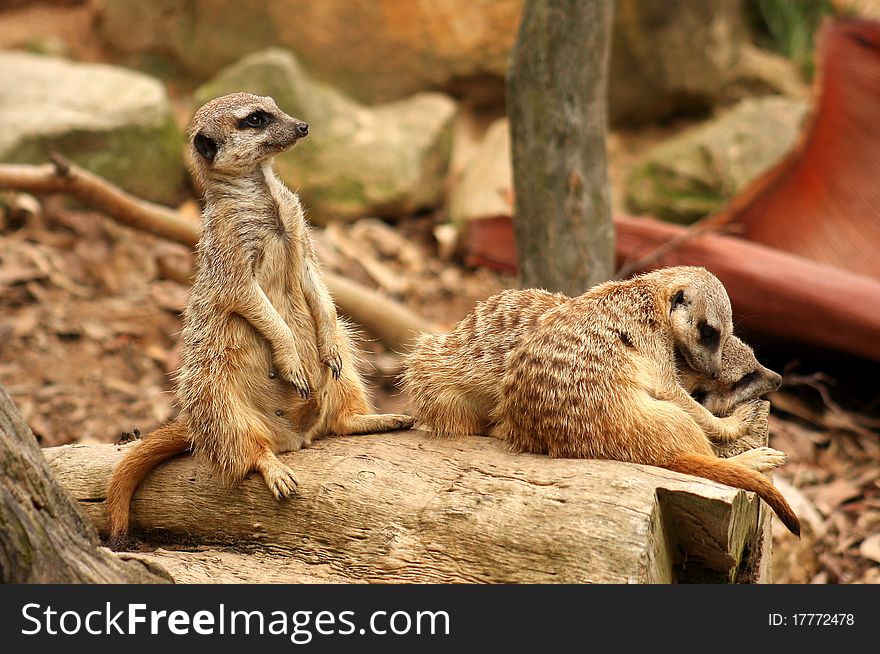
x: 266, y: 366
x: 596, y: 378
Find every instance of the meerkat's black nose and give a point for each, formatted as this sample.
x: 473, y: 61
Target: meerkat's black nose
x: 302, y: 129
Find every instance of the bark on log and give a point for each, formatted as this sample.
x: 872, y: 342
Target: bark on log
x: 556, y: 88
x: 404, y: 507
x: 44, y: 538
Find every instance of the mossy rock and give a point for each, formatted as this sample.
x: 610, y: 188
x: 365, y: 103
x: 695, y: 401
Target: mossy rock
x: 112, y: 121
x: 696, y: 172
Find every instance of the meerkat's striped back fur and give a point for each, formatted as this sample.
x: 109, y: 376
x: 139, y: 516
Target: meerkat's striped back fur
x: 453, y: 381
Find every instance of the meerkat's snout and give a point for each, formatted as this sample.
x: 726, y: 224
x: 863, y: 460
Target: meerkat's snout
x: 302, y: 129
x: 774, y: 379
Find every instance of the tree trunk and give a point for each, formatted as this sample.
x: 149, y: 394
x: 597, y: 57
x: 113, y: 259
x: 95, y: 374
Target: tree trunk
x: 43, y: 536
x: 556, y: 101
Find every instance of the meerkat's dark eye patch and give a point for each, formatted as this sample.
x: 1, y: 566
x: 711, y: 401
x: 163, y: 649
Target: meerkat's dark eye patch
x: 710, y: 337
x: 700, y: 395
x: 678, y: 300
x: 746, y: 379
x: 625, y: 339
x: 205, y: 146
x: 255, y: 120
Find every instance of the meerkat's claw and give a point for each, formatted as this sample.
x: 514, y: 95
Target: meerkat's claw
x: 333, y: 361
x: 283, y: 483
x: 300, y: 383
x: 303, y: 389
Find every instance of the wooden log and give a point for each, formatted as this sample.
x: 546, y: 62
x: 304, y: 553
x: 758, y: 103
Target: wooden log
x: 404, y: 507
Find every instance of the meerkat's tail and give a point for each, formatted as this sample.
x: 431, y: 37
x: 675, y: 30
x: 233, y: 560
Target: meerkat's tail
x: 166, y: 441
x: 725, y: 472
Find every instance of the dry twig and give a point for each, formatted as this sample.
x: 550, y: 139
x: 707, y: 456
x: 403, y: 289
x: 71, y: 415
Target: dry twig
x: 708, y: 225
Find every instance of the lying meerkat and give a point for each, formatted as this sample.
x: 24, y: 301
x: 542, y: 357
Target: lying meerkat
x: 266, y: 366
x: 596, y: 378
x: 452, y: 380
x: 742, y: 379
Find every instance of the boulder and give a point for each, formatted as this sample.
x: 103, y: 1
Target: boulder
x: 671, y: 57
x: 112, y: 121
x: 667, y: 57
x: 377, y: 50
x: 387, y: 160
x: 694, y: 173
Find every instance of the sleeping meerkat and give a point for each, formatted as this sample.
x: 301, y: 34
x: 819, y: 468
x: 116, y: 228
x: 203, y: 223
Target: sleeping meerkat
x: 266, y: 366
x: 742, y: 379
x: 452, y: 380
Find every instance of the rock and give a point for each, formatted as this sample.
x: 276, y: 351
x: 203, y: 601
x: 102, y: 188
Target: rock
x: 376, y: 50
x: 671, y: 57
x: 112, y: 121
x: 860, y: 8
x: 695, y: 172
x: 386, y: 160
x: 486, y: 184
x: 667, y: 57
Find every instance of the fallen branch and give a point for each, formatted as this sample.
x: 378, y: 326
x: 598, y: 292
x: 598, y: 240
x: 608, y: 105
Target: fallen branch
x: 382, y: 317
x: 63, y: 176
x: 392, y: 322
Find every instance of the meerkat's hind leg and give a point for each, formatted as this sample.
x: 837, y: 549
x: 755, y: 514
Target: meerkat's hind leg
x: 278, y: 477
x: 760, y: 459
x: 375, y: 423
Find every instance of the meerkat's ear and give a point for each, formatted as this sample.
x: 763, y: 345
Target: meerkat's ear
x: 205, y: 146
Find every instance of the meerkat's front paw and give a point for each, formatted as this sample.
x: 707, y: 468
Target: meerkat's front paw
x: 400, y: 421
x: 331, y: 358
x: 290, y: 369
x: 761, y: 459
